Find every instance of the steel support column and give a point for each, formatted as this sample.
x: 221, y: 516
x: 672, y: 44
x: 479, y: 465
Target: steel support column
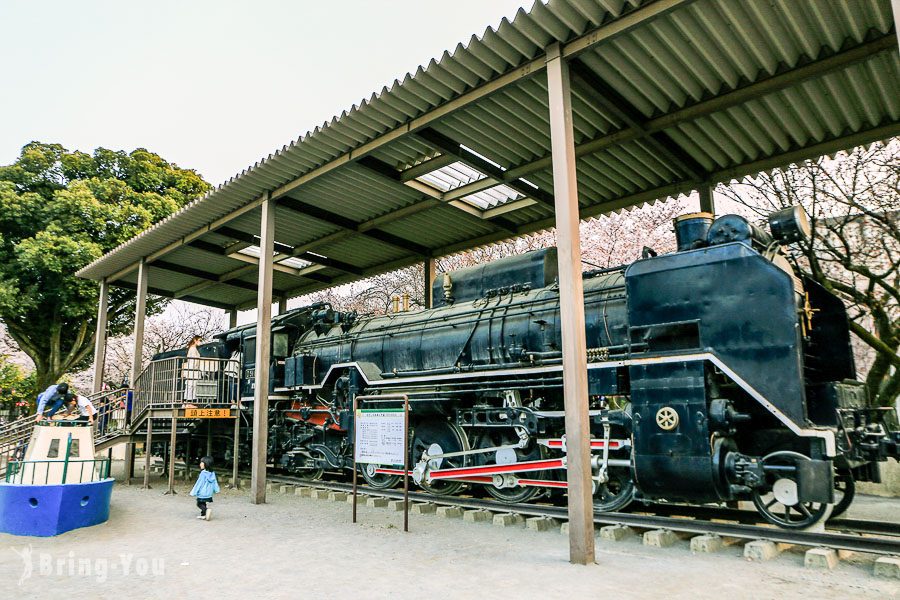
x: 430, y: 273
x: 232, y: 318
x: 147, y: 445
x: 263, y: 343
x: 571, y: 303
x: 140, y: 313
x: 895, y: 5
x: 137, y: 357
x: 100, y: 339
x: 236, y: 450
x: 129, y: 462
x: 187, y: 457
x: 173, y: 432
x: 707, y: 201
x: 282, y: 305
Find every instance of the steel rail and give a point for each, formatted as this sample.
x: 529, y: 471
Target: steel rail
x: 837, y: 541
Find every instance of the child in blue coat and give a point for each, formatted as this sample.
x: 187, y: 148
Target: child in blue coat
x: 206, y: 486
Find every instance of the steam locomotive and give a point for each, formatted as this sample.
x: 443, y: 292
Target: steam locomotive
x: 715, y: 373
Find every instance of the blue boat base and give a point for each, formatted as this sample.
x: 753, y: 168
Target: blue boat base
x: 48, y: 510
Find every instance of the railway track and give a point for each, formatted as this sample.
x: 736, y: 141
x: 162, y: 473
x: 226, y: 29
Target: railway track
x: 855, y: 535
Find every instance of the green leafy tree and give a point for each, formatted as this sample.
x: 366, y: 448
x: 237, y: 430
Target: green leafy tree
x: 59, y: 211
x: 15, y: 386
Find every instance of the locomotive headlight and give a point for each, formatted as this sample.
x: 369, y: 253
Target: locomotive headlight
x: 789, y: 225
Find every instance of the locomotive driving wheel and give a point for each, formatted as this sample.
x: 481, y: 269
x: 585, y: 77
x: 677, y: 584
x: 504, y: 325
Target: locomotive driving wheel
x: 379, y: 481
x: 778, y: 501
x: 615, y: 493
x: 313, y: 474
x: 438, y: 436
x: 493, y: 438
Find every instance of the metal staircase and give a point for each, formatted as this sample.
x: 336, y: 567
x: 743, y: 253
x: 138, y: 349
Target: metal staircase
x: 163, y: 389
x: 109, y: 422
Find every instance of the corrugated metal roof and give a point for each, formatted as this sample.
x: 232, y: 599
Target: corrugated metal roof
x: 666, y: 94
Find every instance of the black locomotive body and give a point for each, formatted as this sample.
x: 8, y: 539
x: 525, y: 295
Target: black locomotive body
x: 715, y: 374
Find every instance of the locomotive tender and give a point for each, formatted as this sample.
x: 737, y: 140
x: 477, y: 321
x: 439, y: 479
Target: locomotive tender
x: 715, y: 374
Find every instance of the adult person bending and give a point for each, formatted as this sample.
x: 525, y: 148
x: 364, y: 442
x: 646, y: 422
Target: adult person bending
x: 83, y: 405
x: 55, y: 396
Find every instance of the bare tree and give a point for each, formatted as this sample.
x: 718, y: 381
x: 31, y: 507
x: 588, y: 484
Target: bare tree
x: 853, y: 202
x: 171, y: 330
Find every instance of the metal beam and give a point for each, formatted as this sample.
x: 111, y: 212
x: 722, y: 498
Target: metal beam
x: 184, y: 241
x: 200, y: 274
x: 263, y: 347
x: 829, y: 63
x: 571, y: 308
x: 470, y: 212
x: 624, y: 23
x: 430, y: 272
x: 252, y: 260
x: 148, y: 444
x: 140, y: 313
x: 707, y: 201
x: 250, y: 238
x: 670, y: 189
x: 605, y: 32
x: 449, y: 146
x: 320, y: 214
x: 168, y: 294
x: 137, y: 357
x: 613, y: 103
x: 324, y: 261
x: 100, y: 337
x: 428, y: 166
x: 895, y: 7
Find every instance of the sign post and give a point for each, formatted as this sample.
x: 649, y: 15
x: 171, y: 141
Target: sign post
x: 380, y: 438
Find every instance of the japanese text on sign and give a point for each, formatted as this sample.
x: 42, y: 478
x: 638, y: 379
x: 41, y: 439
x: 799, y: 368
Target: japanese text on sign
x: 380, y: 436
x: 207, y: 413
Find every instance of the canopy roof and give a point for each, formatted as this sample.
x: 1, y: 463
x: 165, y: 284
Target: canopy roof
x: 667, y: 96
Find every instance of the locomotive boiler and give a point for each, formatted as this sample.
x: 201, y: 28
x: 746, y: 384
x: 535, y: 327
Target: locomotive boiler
x: 715, y: 373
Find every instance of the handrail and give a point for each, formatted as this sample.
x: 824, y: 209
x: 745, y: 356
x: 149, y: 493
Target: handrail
x: 14, y: 436
x: 178, y: 381
x: 167, y: 383
x: 16, y: 473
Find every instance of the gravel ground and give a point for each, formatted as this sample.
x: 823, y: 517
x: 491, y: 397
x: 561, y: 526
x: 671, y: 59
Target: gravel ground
x: 154, y: 547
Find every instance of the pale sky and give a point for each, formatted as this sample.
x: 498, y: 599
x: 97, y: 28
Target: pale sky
x: 210, y: 85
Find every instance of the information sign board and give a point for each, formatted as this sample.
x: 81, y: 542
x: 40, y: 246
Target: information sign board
x: 380, y: 436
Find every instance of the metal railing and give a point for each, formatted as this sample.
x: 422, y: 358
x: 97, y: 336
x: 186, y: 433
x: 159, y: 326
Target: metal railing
x: 38, y: 472
x: 108, y: 422
x: 57, y: 471
x: 182, y: 381
x: 168, y: 383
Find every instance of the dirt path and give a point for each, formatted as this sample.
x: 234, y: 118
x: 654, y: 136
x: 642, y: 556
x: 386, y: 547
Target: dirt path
x: 303, y: 548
